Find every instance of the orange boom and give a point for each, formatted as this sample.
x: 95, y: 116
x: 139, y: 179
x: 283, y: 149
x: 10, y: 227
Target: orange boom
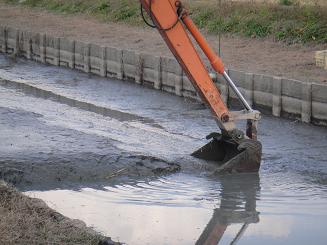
x: 232, y: 149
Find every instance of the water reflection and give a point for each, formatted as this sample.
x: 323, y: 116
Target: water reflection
x: 194, y: 209
x: 239, y: 195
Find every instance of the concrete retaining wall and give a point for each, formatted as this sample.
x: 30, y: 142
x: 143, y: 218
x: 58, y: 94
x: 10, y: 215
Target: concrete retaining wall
x: 283, y: 97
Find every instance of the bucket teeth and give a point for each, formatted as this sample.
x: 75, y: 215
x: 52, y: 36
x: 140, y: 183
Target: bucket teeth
x: 232, y: 156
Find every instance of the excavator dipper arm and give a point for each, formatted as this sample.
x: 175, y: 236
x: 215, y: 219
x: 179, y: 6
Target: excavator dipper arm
x: 174, y: 23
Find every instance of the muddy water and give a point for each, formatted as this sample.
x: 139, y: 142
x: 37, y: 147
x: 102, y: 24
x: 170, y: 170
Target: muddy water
x: 285, y: 204
x: 189, y: 209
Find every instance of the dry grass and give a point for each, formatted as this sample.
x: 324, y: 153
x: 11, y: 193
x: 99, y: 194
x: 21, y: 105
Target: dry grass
x: 26, y: 220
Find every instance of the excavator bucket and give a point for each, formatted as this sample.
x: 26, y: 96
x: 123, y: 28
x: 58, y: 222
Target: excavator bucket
x: 231, y: 155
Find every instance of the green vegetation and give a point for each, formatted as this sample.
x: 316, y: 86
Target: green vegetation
x: 285, y: 20
x: 293, y: 24
x: 285, y: 2
x: 118, y: 11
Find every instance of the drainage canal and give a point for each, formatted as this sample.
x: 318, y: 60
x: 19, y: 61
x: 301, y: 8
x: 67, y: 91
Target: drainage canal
x: 68, y: 156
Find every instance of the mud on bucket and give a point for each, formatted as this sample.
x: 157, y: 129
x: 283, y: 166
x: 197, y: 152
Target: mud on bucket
x: 231, y: 155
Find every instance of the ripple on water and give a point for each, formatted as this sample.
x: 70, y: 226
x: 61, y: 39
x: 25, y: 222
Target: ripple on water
x: 277, y: 207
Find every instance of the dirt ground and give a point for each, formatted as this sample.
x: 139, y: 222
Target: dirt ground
x: 253, y: 55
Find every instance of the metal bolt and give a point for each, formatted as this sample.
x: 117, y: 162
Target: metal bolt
x: 225, y: 118
x: 178, y: 4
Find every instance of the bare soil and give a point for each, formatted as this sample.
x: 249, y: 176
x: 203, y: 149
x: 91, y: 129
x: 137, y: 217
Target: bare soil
x: 253, y: 55
x: 26, y: 220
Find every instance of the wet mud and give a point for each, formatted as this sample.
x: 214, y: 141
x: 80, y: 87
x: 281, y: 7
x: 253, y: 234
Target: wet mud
x: 44, y: 154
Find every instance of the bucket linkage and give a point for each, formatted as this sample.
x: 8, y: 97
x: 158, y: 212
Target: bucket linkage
x: 233, y: 154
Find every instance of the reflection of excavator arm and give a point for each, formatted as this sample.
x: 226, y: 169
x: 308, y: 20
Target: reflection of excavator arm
x: 238, y: 206
x: 173, y: 22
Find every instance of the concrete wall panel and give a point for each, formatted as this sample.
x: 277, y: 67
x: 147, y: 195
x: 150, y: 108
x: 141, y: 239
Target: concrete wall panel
x: 3, y: 39
x: 150, y: 76
x: 150, y: 61
x: 52, y: 46
x: 187, y: 84
x: 319, y: 110
x: 292, y: 88
x: 263, y: 83
x: 172, y: 74
x: 67, y: 53
x: 129, y: 64
x: 114, y: 59
x: 188, y: 90
x: 151, y: 73
x: 35, y: 46
x: 262, y: 99
x: 25, y: 44
x: 79, y: 55
x: 97, y: 60
x: 12, y: 36
x: 319, y: 93
x: 169, y: 81
x: 263, y: 89
x: 95, y: 64
x: 95, y: 51
x: 291, y: 105
x: 171, y: 65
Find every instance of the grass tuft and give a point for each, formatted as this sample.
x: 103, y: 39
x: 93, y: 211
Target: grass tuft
x: 286, y: 2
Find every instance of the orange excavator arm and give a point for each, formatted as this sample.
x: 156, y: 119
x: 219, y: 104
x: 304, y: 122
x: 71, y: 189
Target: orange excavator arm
x: 165, y: 15
x: 174, y: 23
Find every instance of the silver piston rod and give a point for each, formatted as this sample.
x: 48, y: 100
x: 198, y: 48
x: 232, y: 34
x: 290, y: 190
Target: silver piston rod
x: 237, y: 92
x: 251, y: 125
